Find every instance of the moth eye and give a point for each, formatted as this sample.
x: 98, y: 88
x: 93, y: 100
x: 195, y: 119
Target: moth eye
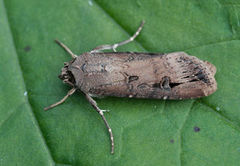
x: 70, y: 77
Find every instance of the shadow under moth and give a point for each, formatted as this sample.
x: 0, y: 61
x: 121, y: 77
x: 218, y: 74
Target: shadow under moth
x: 173, y: 76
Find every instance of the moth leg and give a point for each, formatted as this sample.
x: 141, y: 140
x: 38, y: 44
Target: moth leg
x: 62, y: 100
x: 114, y: 46
x: 66, y: 48
x: 94, y: 104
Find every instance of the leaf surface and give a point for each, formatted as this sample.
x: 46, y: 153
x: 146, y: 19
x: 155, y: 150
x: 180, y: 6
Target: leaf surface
x: 147, y: 132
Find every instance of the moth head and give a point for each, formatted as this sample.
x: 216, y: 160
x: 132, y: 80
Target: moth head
x: 67, y: 76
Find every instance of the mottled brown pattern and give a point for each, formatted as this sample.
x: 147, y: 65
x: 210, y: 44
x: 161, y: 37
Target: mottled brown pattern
x: 141, y: 75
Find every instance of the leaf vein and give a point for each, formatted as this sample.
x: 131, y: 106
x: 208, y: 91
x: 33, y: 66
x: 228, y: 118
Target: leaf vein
x: 181, y: 136
x: 226, y: 119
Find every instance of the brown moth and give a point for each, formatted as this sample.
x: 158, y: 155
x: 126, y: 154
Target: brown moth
x: 140, y: 75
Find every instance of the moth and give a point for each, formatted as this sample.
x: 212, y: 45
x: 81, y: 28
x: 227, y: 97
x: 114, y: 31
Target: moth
x: 173, y: 76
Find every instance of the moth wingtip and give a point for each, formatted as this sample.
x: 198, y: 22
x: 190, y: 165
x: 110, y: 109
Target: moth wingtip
x: 211, y: 67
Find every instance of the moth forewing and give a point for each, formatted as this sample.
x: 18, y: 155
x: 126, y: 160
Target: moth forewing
x: 143, y: 75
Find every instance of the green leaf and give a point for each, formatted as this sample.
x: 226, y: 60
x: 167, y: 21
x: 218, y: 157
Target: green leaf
x: 147, y: 132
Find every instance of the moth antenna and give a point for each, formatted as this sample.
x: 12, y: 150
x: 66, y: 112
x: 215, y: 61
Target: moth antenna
x: 62, y: 100
x: 114, y: 46
x: 66, y: 48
